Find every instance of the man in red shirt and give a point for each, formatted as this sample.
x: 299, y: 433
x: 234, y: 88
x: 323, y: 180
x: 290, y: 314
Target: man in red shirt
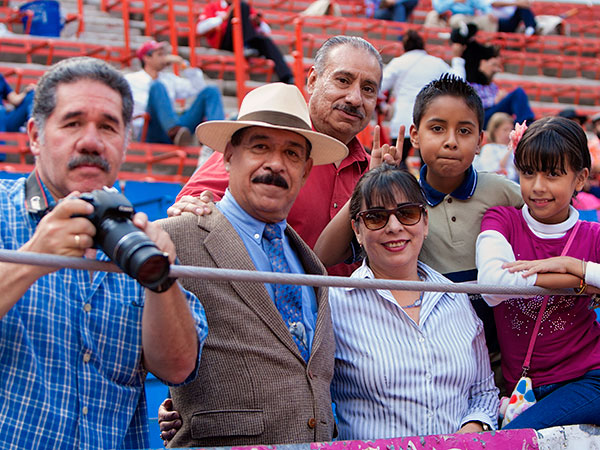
x: 215, y: 23
x: 343, y: 85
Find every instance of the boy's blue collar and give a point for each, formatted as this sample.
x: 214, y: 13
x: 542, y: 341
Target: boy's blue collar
x: 463, y: 192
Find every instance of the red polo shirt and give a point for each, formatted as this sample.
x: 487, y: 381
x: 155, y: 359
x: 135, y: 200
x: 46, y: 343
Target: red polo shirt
x: 327, y: 189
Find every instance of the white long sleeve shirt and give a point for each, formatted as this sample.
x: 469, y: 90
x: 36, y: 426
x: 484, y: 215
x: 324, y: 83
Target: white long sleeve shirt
x: 493, y: 250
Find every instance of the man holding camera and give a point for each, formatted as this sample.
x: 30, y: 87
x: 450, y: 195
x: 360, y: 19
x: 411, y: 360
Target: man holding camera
x: 268, y: 360
x: 75, y: 346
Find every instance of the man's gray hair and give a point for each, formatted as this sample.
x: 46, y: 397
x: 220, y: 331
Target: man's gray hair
x: 357, y: 42
x: 70, y: 71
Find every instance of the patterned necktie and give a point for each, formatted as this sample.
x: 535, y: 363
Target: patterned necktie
x: 287, y: 297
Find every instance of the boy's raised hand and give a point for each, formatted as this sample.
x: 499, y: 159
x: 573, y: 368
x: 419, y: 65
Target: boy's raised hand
x: 386, y: 153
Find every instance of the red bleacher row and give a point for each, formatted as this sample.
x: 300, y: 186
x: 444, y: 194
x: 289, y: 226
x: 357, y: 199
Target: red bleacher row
x: 12, y: 15
x: 564, y: 54
x: 143, y: 161
x: 559, y: 55
x: 538, y: 90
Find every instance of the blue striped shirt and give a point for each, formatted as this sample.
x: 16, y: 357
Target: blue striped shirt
x: 394, y: 377
x: 71, y: 352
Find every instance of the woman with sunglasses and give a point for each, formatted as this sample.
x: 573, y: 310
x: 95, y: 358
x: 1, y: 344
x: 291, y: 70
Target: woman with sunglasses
x: 407, y: 363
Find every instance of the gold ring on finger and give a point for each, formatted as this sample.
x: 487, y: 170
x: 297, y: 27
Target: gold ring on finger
x: 77, y: 240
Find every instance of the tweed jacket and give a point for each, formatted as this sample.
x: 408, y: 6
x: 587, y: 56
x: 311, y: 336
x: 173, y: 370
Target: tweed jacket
x: 253, y: 385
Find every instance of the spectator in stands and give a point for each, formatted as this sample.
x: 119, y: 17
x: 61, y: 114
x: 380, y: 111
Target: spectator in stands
x: 594, y: 146
x: 501, y: 15
x: 262, y: 380
x: 15, y: 116
x: 215, y: 22
x: 155, y: 91
x: 482, y: 63
x: 596, y: 124
x: 343, y: 86
x: 406, y: 75
x: 76, y: 345
x: 495, y: 156
x: 572, y: 114
x: 453, y: 13
x: 511, y: 13
x: 396, y: 10
x: 593, y: 142
x: 373, y: 327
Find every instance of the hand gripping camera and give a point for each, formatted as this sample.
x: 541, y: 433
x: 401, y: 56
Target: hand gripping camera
x: 124, y: 243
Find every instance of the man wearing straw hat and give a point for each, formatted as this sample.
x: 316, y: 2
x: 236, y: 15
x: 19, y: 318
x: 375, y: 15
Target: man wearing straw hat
x: 343, y: 85
x: 268, y: 359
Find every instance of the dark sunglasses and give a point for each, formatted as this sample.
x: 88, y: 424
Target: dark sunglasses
x: 406, y: 213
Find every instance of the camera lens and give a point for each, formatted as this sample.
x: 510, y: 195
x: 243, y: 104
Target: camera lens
x: 134, y: 252
x: 146, y: 264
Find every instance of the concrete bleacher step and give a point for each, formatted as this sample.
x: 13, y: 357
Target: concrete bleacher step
x: 100, y: 27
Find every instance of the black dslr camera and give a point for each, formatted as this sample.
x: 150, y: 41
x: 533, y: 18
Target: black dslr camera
x: 124, y: 243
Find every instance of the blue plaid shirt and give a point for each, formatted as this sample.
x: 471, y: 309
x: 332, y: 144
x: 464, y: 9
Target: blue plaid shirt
x: 71, y: 349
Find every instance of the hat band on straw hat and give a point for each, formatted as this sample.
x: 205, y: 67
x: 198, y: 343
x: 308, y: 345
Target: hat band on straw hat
x: 275, y: 118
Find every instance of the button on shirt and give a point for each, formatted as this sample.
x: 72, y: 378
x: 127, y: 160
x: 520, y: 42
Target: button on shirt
x: 71, y: 351
x: 394, y: 377
x: 250, y: 231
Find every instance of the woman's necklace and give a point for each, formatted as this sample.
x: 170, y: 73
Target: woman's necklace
x: 418, y: 301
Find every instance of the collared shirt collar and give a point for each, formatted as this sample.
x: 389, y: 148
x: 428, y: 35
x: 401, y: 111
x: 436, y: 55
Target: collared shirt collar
x: 463, y: 192
x: 247, y: 224
x: 356, y: 152
x: 37, y: 196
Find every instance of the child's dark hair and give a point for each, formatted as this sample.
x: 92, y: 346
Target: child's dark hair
x: 379, y: 187
x: 553, y: 144
x: 452, y: 85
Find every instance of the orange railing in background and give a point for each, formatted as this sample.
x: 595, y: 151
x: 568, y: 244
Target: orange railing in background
x: 241, y: 74
x: 298, y: 55
x: 107, y: 6
x: 192, y: 31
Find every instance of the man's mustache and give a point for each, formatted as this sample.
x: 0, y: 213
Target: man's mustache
x: 350, y: 110
x: 89, y: 160
x: 271, y: 178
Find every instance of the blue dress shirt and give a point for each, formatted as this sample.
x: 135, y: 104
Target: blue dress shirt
x: 250, y: 231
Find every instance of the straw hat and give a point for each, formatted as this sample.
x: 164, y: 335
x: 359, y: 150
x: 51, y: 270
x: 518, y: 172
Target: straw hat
x: 276, y: 105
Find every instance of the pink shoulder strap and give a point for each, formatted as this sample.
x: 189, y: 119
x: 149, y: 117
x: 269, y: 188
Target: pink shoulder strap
x: 536, y: 328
